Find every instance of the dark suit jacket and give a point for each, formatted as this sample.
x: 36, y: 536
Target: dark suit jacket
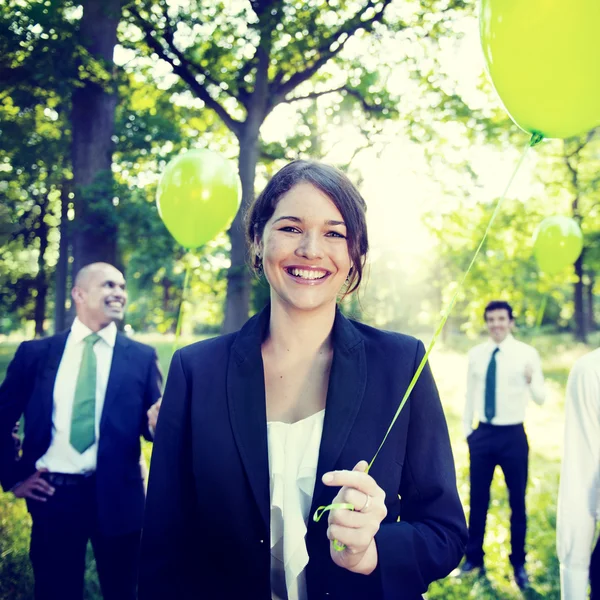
x: 206, y: 529
x: 134, y: 384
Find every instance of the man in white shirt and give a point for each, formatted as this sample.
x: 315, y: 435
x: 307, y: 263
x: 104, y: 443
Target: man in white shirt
x: 87, y: 396
x: 579, y: 492
x: 503, y: 373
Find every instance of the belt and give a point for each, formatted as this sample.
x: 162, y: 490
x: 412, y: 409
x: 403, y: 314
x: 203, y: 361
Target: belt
x: 58, y: 479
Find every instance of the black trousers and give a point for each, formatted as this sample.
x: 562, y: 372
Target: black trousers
x: 61, y: 529
x: 506, y: 446
x: 595, y: 572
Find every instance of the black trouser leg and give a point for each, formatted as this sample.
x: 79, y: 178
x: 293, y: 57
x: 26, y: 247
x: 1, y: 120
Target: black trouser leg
x: 482, y: 465
x: 59, y: 535
x: 595, y: 573
x: 513, y: 458
x: 117, y: 563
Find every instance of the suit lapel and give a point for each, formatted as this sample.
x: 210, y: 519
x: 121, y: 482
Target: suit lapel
x: 246, y: 399
x: 118, y: 367
x: 247, y: 408
x: 347, y: 383
x: 46, y: 392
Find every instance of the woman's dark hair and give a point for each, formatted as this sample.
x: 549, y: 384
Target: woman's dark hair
x: 336, y: 186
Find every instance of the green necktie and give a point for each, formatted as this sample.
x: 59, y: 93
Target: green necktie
x: 490, y: 388
x: 83, y: 418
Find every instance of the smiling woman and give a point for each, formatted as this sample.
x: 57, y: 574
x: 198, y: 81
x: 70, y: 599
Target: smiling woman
x: 260, y: 427
x: 319, y: 192
x: 302, y: 249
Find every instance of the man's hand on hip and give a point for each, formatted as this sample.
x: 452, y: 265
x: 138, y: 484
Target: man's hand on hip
x: 34, y: 487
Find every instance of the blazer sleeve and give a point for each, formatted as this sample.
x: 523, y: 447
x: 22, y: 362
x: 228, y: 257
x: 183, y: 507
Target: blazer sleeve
x: 429, y: 540
x: 15, y: 392
x: 152, y: 392
x: 167, y: 535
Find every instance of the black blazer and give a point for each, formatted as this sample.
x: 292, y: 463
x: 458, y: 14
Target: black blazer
x: 134, y: 384
x: 206, y: 528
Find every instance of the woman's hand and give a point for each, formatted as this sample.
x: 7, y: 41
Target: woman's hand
x: 355, y: 529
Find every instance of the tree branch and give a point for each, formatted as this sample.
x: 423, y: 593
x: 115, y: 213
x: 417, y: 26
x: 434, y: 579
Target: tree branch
x: 366, y: 106
x: 325, y: 51
x: 314, y: 95
x: 343, y: 88
x: 183, y: 70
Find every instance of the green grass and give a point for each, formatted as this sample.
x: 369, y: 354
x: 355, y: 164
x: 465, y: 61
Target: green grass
x: 544, y: 427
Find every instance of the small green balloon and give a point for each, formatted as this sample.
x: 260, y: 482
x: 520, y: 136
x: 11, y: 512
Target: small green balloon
x: 198, y: 196
x: 543, y: 58
x: 558, y: 243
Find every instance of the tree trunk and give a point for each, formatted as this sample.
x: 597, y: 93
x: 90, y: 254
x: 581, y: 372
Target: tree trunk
x: 41, y: 282
x: 62, y: 265
x: 591, y: 317
x: 92, y: 118
x: 166, y: 299
x: 237, y: 301
x: 580, y: 316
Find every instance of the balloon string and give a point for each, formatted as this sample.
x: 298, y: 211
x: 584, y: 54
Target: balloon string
x: 323, y: 509
x: 540, y: 315
x: 535, y: 139
x: 186, y: 281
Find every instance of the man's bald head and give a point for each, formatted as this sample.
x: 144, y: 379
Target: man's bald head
x: 87, y: 273
x: 99, y: 295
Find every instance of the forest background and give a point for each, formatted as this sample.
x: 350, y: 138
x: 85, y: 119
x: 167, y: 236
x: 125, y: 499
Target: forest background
x: 97, y: 96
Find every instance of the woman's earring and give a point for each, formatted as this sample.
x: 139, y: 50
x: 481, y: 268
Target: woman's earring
x: 258, y: 265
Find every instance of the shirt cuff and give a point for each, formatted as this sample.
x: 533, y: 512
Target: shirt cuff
x: 573, y: 583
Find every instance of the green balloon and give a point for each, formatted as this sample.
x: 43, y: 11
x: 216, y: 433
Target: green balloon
x: 543, y: 57
x: 558, y: 243
x: 198, y: 196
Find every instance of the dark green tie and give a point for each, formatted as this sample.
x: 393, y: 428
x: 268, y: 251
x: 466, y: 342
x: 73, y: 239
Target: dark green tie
x: 490, y: 388
x: 83, y: 418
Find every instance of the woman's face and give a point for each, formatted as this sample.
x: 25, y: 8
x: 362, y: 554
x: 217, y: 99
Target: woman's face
x: 304, y: 249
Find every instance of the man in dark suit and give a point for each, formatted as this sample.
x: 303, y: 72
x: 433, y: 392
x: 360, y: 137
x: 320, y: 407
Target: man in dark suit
x: 87, y: 395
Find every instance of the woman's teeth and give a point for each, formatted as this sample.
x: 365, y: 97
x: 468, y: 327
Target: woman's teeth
x: 307, y: 274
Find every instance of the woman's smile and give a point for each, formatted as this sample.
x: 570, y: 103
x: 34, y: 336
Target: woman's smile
x: 307, y: 275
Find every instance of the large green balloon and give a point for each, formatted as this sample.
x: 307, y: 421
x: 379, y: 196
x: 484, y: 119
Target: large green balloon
x: 198, y: 196
x: 543, y: 57
x: 558, y: 244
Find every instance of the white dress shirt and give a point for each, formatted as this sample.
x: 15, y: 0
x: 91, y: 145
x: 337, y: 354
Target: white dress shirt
x: 61, y: 457
x: 579, y: 493
x: 512, y: 389
x: 293, y: 458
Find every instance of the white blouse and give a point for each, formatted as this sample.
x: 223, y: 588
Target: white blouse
x: 293, y: 457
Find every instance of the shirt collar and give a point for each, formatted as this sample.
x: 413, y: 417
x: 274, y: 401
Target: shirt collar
x: 503, y: 345
x: 79, y: 331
